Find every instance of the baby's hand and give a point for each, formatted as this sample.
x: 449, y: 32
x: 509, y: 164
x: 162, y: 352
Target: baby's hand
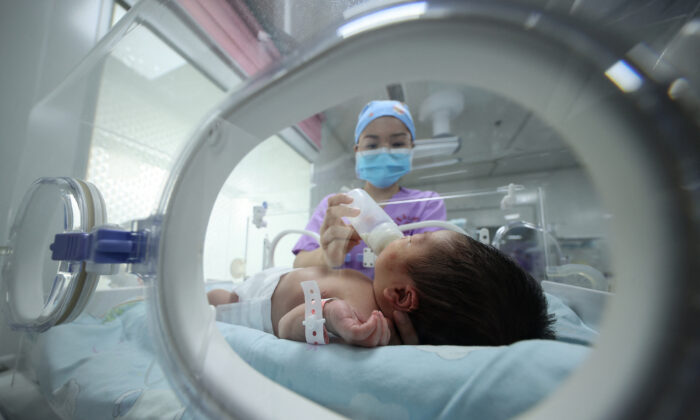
x: 343, y: 321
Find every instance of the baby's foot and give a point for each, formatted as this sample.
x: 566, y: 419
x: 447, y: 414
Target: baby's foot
x: 221, y: 297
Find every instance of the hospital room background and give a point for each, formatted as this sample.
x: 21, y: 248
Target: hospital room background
x: 118, y: 103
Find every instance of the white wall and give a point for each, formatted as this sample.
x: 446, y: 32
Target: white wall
x: 337, y: 167
x: 40, y: 42
x: 276, y: 174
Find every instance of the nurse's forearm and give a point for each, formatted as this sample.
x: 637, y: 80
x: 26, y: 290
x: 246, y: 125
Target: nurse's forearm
x: 310, y: 258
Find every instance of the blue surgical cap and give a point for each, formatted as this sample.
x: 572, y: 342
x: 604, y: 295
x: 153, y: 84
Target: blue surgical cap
x: 376, y: 109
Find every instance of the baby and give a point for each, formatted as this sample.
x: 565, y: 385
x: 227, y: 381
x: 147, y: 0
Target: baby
x: 454, y: 289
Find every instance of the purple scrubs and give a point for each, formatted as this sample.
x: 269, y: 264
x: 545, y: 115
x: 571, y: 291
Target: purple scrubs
x: 428, y: 206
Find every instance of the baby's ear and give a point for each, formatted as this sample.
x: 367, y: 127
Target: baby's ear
x: 403, y: 298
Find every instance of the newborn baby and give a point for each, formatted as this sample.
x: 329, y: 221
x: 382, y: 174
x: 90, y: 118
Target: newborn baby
x: 454, y: 289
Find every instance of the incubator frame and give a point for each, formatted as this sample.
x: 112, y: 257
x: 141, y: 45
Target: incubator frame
x: 641, y: 153
x: 648, y: 318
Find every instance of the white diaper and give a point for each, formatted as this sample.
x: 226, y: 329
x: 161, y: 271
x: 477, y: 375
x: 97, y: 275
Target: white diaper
x: 254, y: 306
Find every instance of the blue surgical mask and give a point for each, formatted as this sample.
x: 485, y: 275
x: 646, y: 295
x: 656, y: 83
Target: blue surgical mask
x: 383, y: 167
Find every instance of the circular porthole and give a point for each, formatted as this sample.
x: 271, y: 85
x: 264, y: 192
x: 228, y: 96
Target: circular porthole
x: 37, y: 291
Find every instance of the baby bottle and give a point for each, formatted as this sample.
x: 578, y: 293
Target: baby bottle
x: 375, y: 227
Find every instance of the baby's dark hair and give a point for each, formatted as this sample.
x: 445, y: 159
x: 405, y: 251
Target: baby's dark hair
x: 473, y: 294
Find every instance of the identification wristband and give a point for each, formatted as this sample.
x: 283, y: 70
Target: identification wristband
x: 313, y: 313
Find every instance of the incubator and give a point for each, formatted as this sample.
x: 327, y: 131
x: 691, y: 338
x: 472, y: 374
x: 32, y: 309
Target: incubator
x: 543, y: 138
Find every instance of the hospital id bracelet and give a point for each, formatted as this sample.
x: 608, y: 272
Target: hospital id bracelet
x: 313, y: 313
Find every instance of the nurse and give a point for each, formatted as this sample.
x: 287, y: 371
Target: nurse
x: 384, y: 141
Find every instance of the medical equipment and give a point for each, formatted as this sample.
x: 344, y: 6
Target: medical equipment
x: 531, y: 243
x: 590, y: 277
x: 51, y: 205
x: 509, y: 199
x: 269, y: 247
x: 631, y: 146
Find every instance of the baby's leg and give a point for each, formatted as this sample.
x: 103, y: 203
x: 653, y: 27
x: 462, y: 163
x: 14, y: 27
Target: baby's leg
x: 221, y: 297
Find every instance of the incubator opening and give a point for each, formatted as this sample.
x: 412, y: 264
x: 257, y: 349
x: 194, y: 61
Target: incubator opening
x: 499, y: 174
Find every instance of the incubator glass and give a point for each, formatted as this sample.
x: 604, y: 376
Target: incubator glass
x: 535, y: 135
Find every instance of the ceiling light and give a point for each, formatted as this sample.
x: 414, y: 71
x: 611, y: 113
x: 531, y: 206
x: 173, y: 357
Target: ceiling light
x: 382, y: 18
x: 624, y: 76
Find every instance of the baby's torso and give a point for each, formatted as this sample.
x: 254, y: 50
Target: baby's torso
x: 348, y: 285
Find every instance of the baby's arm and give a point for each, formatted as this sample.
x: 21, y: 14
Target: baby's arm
x: 341, y: 320
x: 291, y: 328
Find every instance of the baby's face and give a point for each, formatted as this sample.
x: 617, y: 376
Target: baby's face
x: 397, y: 253
x: 390, y: 266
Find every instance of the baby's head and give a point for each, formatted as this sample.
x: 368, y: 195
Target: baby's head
x: 459, y: 291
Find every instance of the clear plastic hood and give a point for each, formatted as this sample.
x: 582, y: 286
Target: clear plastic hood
x: 214, y: 129
x: 528, y: 50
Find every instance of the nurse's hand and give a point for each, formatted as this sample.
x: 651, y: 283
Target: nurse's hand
x: 337, y: 238
x: 405, y: 328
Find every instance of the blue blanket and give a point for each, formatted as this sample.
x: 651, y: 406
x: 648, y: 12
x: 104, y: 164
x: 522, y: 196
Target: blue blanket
x: 105, y: 368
